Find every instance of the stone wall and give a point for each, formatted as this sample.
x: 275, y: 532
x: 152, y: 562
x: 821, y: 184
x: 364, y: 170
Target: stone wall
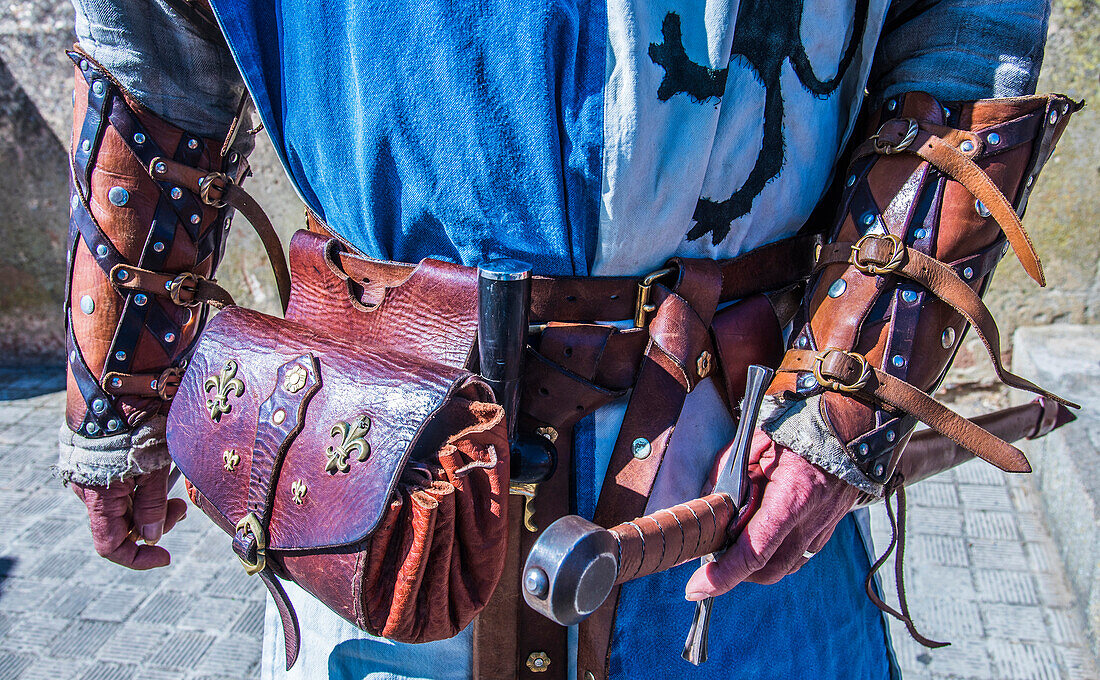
x: 35, y: 87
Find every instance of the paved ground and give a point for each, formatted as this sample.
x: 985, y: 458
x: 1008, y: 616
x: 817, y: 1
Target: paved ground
x: 982, y: 572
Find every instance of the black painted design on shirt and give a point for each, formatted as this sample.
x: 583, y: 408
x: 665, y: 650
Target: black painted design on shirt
x: 767, y: 34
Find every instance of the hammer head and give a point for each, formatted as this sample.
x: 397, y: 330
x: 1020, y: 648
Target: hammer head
x: 570, y: 570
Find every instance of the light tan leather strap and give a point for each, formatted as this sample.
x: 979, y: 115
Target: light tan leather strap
x: 882, y: 255
x: 217, y: 189
x: 849, y: 372
x: 951, y: 151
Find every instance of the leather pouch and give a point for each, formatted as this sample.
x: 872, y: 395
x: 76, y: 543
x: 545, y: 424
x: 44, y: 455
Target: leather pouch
x: 348, y: 449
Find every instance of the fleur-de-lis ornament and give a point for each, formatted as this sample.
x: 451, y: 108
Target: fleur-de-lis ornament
x: 298, y: 491
x: 232, y: 459
x: 351, y: 441
x: 224, y: 384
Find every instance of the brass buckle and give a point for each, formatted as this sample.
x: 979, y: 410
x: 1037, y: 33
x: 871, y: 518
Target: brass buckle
x: 169, y: 382
x: 250, y: 524
x: 210, y: 181
x: 866, y: 267
x: 888, y: 149
x: 643, y: 307
x: 184, y: 282
x: 836, y: 385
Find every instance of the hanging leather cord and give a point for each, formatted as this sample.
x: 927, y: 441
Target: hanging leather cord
x: 897, y: 538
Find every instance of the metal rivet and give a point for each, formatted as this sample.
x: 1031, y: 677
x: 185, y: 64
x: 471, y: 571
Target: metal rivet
x: 99, y: 406
x: 641, y: 448
x: 880, y: 470
x: 703, y: 364
x: 1053, y: 117
x: 538, y: 662
x: 994, y: 138
x: 99, y: 88
x: 536, y: 582
x: 863, y: 449
x: 122, y: 275
x: 837, y: 288
x: 120, y: 355
x: 153, y: 384
x: 86, y: 145
x: 909, y: 296
x: 169, y: 337
x: 1031, y: 180
x: 948, y: 337
x: 980, y: 208
x: 588, y: 675
x: 158, y: 247
x: 192, y: 144
x: 195, y: 219
x: 807, y: 382
x: 1004, y: 250
x: 160, y: 168
x: 141, y: 299
x: 967, y: 146
x: 84, y: 66
x: 116, y: 382
x: 968, y: 273
x: 233, y: 157
x: 113, y: 425
x: 891, y: 105
x: 278, y: 417
x: 87, y: 304
x: 920, y: 234
x: 869, y: 219
x: 946, y: 112
x: 72, y: 356
x: 92, y: 428
x: 175, y: 193
x: 74, y: 202
x: 891, y: 435
x: 898, y: 360
x: 101, y: 250
x: 168, y: 286
x: 118, y: 196
x: 851, y: 180
x: 139, y: 138
x: 802, y: 342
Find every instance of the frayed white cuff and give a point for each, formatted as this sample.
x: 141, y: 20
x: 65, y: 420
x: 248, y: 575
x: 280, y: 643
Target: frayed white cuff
x: 98, y: 462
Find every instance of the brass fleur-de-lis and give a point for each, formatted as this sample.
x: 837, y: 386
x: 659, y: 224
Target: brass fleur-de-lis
x: 232, y: 460
x: 223, y: 384
x: 351, y: 435
x: 298, y: 491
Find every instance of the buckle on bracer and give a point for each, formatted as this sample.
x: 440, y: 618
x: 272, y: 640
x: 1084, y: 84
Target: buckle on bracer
x: 867, y: 266
x: 184, y: 283
x: 887, y: 148
x: 218, y: 181
x: 643, y: 307
x: 250, y: 524
x: 835, y: 385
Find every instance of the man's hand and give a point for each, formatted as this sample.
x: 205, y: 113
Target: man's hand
x: 125, y: 512
x: 800, y: 507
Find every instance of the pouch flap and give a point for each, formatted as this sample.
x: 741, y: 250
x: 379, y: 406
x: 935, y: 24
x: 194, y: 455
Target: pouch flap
x: 357, y: 431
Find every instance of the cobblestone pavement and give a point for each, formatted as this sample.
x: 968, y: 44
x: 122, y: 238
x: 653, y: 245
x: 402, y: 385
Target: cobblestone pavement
x: 981, y: 572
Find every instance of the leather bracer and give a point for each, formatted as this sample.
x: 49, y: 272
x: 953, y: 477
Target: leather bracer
x: 142, y: 253
x: 931, y: 203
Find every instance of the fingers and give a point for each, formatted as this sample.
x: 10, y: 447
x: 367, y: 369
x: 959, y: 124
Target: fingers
x: 151, y: 504
x: 109, y: 517
x: 754, y: 548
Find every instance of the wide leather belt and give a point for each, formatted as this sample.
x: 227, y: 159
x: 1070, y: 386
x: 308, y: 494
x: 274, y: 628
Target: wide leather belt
x: 607, y: 298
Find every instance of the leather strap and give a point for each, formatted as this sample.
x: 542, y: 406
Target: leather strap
x: 882, y: 255
x: 218, y: 189
x: 849, y: 372
x: 185, y: 289
x: 944, y: 153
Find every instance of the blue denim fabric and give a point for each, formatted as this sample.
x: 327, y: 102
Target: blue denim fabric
x: 162, y: 62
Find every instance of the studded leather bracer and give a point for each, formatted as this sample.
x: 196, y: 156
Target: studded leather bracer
x: 931, y: 203
x: 148, y: 225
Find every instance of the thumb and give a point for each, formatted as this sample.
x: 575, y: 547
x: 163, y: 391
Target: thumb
x: 151, y: 504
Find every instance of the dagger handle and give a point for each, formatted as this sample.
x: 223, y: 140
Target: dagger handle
x: 666, y: 538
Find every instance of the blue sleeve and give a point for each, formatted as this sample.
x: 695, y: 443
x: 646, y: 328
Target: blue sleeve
x: 959, y: 50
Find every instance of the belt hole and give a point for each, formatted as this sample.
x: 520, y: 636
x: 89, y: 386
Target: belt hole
x: 568, y: 351
x: 544, y: 392
x: 570, y: 298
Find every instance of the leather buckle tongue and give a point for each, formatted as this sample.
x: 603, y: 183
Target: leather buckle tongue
x: 833, y: 365
x: 870, y: 254
x: 250, y: 524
